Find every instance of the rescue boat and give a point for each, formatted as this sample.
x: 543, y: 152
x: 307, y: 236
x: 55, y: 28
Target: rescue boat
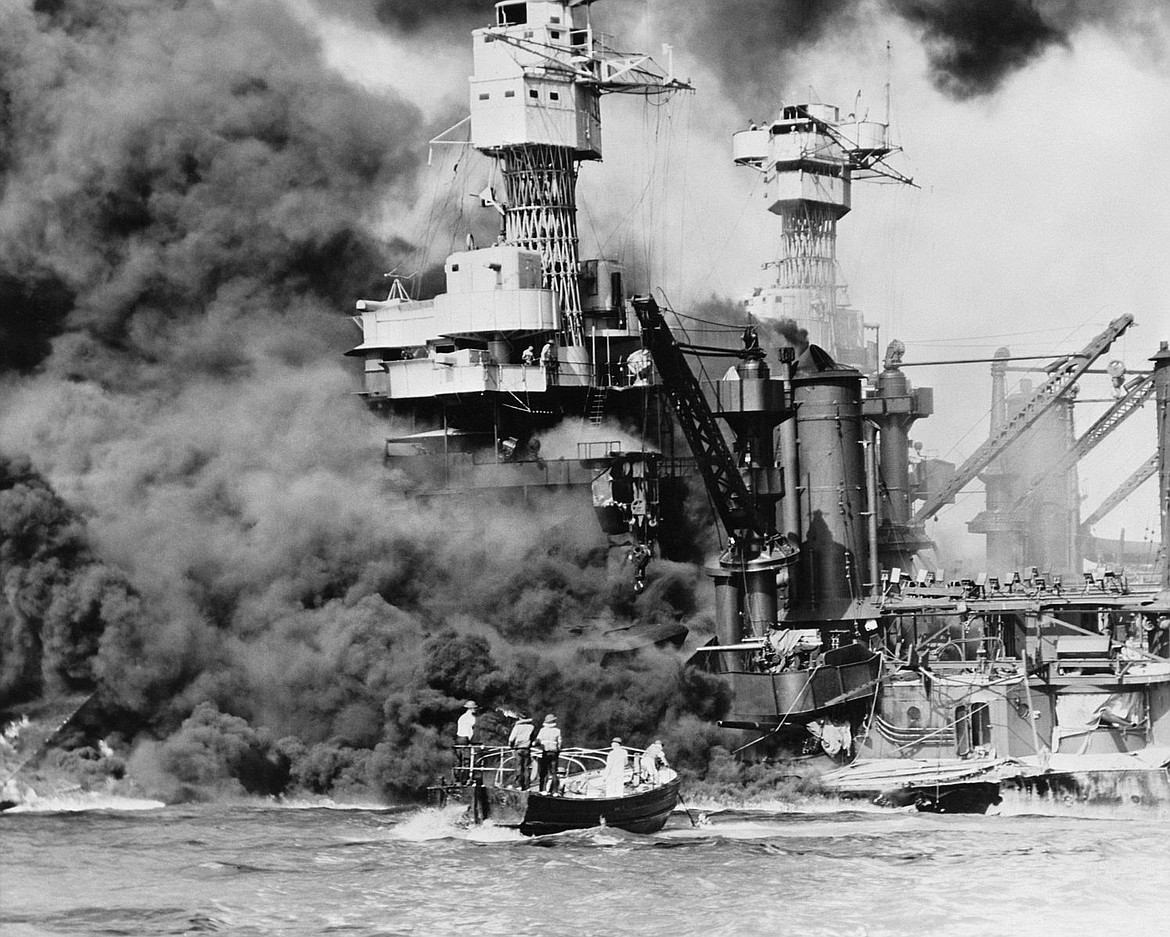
x: 489, y: 783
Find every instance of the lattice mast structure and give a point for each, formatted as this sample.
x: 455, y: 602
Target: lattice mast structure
x: 540, y: 72
x: 809, y: 157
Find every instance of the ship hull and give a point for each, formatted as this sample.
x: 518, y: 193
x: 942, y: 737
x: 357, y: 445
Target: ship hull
x: 764, y: 700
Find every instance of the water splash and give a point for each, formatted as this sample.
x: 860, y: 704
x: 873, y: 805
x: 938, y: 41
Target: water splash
x: 431, y: 823
x: 79, y: 801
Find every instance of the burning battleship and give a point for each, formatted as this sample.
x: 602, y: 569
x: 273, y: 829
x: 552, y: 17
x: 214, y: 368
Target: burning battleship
x: 836, y: 629
x: 528, y: 335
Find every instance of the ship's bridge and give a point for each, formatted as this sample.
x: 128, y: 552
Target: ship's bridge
x: 467, y: 340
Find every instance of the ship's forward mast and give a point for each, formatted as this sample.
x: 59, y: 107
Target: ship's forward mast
x: 540, y: 72
x: 527, y: 337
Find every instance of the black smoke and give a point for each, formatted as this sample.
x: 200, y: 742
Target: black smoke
x: 158, y: 157
x: 200, y: 532
x: 411, y: 15
x: 58, y: 597
x: 972, y: 46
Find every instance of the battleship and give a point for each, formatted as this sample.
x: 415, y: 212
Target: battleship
x: 528, y: 335
x: 837, y: 630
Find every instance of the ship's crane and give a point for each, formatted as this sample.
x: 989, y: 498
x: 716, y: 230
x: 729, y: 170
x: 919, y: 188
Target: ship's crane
x: 1065, y: 374
x: 751, y: 534
x: 1123, y: 491
x: 1109, y: 421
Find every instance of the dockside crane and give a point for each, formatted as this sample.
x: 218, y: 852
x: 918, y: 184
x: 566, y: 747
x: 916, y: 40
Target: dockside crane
x: 1139, y: 477
x: 1112, y: 418
x: 1065, y: 373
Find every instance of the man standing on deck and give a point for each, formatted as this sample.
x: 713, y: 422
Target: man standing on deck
x: 520, y: 741
x: 464, y: 730
x: 615, y: 769
x: 548, y: 360
x: 549, y: 737
x: 465, y: 727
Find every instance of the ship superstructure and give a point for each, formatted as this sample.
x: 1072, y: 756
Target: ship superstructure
x: 949, y: 694
x: 809, y: 157
x: 528, y: 335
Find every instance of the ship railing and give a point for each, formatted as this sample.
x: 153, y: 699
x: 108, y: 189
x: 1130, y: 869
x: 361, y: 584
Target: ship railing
x: 969, y: 650
x: 499, y: 764
x: 597, y: 450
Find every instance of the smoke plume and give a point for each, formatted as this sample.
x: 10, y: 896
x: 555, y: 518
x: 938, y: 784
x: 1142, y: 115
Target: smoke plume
x: 409, y: 16
x: 972, y: 46
x: 187, y: 193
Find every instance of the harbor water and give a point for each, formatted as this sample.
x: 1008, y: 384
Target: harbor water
x: 827, y: 869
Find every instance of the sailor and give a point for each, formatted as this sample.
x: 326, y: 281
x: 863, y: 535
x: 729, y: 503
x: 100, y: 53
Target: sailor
x: 465, y: 727
x: 549, y: 737
x: 615, y: 768
x: 548, y: 359
x: 528, y: 356
x: 520, y: 741
x: 464, y: 730
x: 653, y: 759
x: 537, y: 753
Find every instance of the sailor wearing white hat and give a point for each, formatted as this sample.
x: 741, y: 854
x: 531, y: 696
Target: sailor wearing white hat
x: 615, y: 768
x: 549, y: 738
x: 465, y: 727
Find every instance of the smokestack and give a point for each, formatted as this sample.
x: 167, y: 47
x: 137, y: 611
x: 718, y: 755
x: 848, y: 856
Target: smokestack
x: 1162, y: 397
x: 894, y: 409
x: 1004, y: 550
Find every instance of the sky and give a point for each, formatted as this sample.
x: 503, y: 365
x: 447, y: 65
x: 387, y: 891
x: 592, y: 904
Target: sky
x: 1038, y: 213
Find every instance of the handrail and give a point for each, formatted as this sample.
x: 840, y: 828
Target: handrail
x: 499, y: 759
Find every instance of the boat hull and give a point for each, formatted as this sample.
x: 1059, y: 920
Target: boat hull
x: 641, y: 812
x: 536, y: 814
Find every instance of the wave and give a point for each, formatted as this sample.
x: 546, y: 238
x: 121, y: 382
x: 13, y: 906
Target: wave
x: 78, y: 801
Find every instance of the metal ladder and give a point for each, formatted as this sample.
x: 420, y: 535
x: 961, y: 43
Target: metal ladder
x: 595, y: 405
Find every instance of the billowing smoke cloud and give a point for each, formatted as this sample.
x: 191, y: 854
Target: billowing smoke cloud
x: 972, y: 45
x: 186, y: 196
x: 58, y: 597
x: 409, y: 15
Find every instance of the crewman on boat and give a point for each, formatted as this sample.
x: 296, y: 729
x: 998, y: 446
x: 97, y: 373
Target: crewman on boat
x: 652, y: 761
x: 615, y: 768
x: 465, y: 727
x: 520, y: 741
x: 464, y: 732
x: 549, y: 737
x: 528, y: 357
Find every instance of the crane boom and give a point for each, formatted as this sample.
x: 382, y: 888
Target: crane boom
x: 1112, y: 418
x: 1065, y: 374
x: 1123, y: 491
x: 733, y: 502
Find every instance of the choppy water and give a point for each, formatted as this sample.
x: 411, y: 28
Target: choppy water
x: 268, y: 870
